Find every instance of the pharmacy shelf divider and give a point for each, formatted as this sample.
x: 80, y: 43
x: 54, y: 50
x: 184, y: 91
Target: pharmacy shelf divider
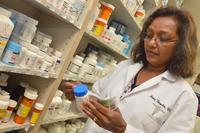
x: 64, y: 117
x: 39, y: 5
x: 101, y: 42
x: 26, y: 71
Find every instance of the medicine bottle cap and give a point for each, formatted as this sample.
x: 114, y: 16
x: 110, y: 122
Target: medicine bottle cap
x: 108, y: 5
x: 12, y: 103
x: 80, y: 90
x: 3, y: 104
x: 30, y: 95
x: 39, y: 106
x: 5, y: 12
x: 102, y: 20
x: 14, y: 46
x: 58, y: 53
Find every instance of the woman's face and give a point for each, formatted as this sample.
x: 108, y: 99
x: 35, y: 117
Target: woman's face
x: 160, y: 41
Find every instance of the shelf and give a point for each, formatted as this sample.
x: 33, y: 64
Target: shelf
x: 123, y: 15
x: 64, y: 117
x: 102, y: 43
x: 11, y: 126
x: 42, y: 7
x: 76, y: 79
x: 26, y: 71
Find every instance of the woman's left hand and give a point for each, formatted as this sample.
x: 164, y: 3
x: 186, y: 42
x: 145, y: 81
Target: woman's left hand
x: 111, y: 120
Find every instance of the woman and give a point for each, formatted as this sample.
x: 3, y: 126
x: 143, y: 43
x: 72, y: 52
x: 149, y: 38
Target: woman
x: 153, y: 96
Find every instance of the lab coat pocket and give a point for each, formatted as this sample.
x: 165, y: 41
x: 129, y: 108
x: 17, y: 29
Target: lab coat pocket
x: 158, y: 112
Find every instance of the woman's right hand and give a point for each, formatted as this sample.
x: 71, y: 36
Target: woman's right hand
x: 68, y: 90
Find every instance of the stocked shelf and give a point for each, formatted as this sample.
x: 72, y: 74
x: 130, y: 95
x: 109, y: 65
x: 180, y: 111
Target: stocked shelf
x: 39, y: 5
x: 11, y: 126
x: 120, y: 11
x: 76, y: 79
x: 64, y: 117
x: 101, y: 42
x: 26, y: 71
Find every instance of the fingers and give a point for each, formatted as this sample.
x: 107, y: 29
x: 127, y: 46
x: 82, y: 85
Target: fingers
x: 93, y: 117
x: 68, y: 90
x: 94, y: 111
x: 70, y: 85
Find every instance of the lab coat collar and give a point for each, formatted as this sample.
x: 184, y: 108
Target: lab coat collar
x: 133, y: 70
x: 168, y: 76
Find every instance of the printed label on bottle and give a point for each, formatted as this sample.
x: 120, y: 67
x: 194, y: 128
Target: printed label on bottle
x: 3, y: 41
x: 23, y: 111
x: 7, y: 116
x: 34, y: 117
x: 10, y: 57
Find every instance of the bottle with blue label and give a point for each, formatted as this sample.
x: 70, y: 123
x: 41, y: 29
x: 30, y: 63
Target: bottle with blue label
x: 11, y: 53
x: 80, y: 93
x: 128, y: 49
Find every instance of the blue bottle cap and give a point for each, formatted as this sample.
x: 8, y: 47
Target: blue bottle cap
x: 14, y: 46
x: 80, y: 90
x: 125, y: 38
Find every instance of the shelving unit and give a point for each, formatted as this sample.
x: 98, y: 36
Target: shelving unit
x: 11, y: 126
x: 39, y: 5
x: 76, y: 79
x: 26, y: 71
x: 64, y: 117
x: 99, y: 41
x: 129, y: 20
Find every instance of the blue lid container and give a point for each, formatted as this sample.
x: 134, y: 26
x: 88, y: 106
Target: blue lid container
x: 125, y: 38
x: 13, y: 46
x: 80, y: 90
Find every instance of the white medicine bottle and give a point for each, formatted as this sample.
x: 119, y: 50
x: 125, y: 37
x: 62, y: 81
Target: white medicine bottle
x: 81, y: 93
x: 6, y: 27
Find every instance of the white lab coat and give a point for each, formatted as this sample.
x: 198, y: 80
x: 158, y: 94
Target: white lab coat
x: 163, y: 104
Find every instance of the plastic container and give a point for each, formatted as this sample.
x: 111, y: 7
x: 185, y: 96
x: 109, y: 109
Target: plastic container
x: 6, y: 27
x: 92, y: 62
x: 3, y: 79
x: 3, y: 108
x: 106, y: 10
x: 40, y: 60
x: 11, y: 54
x: 57, y: 59
x: 76, y: 64
x: 99, y: 26
x: 36, y: 113
x: 25, y: 107
x: 81, y: 93
x: 11, y: 106
x: 93, y: 17
x: 83, y: 71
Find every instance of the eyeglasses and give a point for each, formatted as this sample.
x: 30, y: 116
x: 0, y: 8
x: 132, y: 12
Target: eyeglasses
x: 162, y: 40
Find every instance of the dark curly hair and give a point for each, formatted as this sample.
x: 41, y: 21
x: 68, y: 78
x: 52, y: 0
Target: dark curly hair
x: 183, y: 62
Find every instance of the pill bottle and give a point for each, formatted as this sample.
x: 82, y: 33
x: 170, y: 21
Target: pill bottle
x: 3, y: 79
x: 106, y: 10
x: 99, y: 26
x: 40, y: 60
x: 29, y: 29
x: 57, y: 60
x: 36, y: 113
x: 3, y: 108
x: 11, y: 53
x: 11, y: 106
x: 83, y: 71
x: 25, y: 107
x: 5, y: 28
x: 81, y: 93
x: 76, y: 64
